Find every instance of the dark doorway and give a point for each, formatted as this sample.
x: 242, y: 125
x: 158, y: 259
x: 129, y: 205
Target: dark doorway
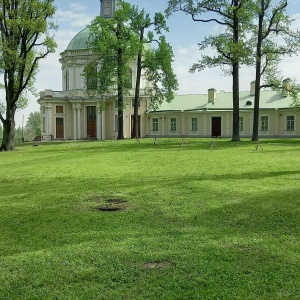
x: 139, y: 126
x: 215, y: 126
x: 91, y: 122
x: 59, y: 128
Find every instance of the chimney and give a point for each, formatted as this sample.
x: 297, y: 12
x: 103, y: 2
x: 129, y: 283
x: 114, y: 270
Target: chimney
x: 252, y: 88
x: 212, y: 95
x: 286, y: 85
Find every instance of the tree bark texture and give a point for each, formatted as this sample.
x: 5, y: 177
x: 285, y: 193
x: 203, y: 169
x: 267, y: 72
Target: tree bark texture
x: 257, y: 79
x: 8, y: 141
x: 235, y: 83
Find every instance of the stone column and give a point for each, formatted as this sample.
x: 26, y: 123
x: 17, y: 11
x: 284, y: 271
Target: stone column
x: 71, y: 77
x: 204, y: 125
x: 48, y: 119
x: 79, y: 121
x: 98, y: 122
x: 182, y: 123
x: 74, y: 122
x: 227, y: 124
x: 163, y: 125
x: 103, y: 124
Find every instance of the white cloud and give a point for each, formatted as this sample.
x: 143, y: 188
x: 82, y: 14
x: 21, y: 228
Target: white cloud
x: 77, y: 7
x: 73, y: 18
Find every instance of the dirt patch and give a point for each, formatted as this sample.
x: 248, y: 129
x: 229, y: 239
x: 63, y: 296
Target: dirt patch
x: 113, y: 205
x: 158, y: 264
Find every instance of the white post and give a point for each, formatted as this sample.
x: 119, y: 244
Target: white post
x: 163, y: 125
x: 79, y: 121
x: 182, y: 123
x: 74, y: 122
x: 103, y: 124
x: 98, y: 121
x: 49, y: 108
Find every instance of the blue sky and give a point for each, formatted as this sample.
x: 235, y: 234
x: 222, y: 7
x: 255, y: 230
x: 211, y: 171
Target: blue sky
x: 73, y: 16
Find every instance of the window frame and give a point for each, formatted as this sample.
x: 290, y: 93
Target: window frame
x: 264, y: 123
x: 155, y: 124
x: 194, y: 125
x: 173, y: 124
x: 290, y: 124
x: 241, y: 123
x: 56, y: 109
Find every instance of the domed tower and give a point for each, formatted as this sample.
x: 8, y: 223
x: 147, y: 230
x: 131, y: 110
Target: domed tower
x: 73, y: 113
x: 77, y: 54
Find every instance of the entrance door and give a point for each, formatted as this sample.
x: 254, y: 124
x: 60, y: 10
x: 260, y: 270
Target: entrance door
x: 91, y: 122
x: 139, y: 126
x: 215, y: 126
x: 59, y: 128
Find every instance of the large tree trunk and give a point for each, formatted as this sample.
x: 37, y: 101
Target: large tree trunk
x: 235, y: 103
x: 137, y: 89
x: 120, y: 94
x: 8, y: 142
x: 257, y: 79
x: 136, y: 97
x: 235, y: 82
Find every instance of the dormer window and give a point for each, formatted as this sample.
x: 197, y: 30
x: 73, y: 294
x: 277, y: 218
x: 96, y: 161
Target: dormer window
x: 249, y: 102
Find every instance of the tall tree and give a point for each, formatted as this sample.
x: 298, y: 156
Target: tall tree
x: 24, y: 41
x: 114, y: 44
x: 33, y: 126
x: 155, y: 61
x: 230, y: 46
x: 274, y: 39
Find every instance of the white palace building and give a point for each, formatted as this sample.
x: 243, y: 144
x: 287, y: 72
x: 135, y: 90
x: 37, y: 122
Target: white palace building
x: 73, y: 114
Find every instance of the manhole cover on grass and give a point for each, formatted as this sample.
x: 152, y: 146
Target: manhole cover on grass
x: 113, y: 205
x: 158, y: 264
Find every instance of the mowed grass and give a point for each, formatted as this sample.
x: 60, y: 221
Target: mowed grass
x: 197, y: 223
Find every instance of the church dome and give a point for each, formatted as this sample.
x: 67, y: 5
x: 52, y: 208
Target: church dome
x: 80, y: 40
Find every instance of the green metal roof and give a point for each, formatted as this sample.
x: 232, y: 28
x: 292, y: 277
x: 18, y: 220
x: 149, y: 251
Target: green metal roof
x: 80, y: 40
x: 196, y: 102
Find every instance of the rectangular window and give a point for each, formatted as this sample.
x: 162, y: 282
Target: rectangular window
x: 173, y: 124
x: 44, y: 125
x: 290, y: 123
x: 59, y: 109
x: 264, y: 123
x: 154, y: 124
x: 194, y: 124
x: 241, y: 123
x: 132, y: 103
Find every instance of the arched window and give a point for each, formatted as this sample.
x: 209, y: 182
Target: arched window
x: 91, y: 78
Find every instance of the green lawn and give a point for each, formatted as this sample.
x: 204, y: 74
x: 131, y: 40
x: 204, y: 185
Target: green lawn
x: 196, y: 223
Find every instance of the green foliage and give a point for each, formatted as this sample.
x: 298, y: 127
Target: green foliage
x: 33, y: 126
x: 222, y: 220
x: 275, y: 37
x: 158, y: 70
x: 109, y: 38
x: 228, y: 47
x: 24, y: 40
x: 154, y: 56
